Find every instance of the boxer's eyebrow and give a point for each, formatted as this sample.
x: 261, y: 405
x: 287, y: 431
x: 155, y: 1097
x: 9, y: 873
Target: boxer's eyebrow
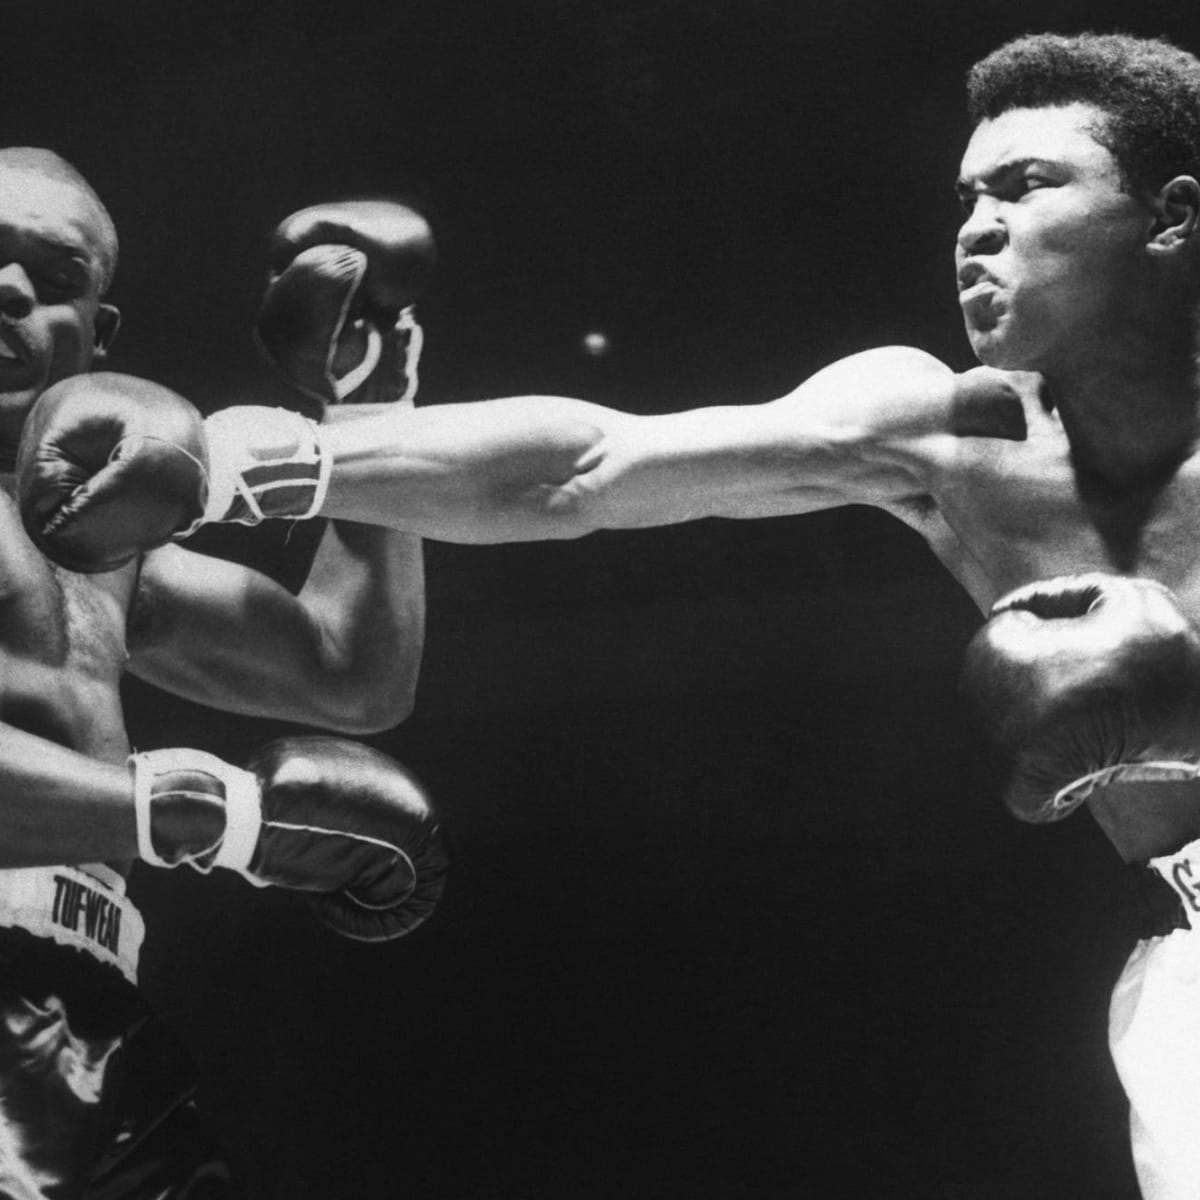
x: 997, y: 174
x: 49, y: 244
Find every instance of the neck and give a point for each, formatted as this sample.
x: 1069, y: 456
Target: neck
x: 1130, y: 408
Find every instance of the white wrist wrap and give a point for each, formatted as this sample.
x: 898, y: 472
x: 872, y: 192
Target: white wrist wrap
x: 1076, y: 792
x: 411, y: 338
x: 410, y: 329
x: 264, y: 462
x: 239, y: 789
x: 356, y: 378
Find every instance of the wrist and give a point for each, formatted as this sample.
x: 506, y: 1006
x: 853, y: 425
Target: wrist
x: 194, y: 808
x: 264, y: 463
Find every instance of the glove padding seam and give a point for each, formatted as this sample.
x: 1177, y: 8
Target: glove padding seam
x: 362, y: 838
x: 1066, y: 799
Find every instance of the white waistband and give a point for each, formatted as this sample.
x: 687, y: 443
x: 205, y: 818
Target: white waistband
x: 82, y: 907
x: 1181, y: 871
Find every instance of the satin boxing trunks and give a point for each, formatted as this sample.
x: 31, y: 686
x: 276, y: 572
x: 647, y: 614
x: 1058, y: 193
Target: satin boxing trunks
x: 96, y: 1096
x: 1154, y: 1031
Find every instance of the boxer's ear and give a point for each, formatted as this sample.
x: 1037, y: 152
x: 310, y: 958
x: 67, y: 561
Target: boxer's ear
x: 1176, y: 209
x: 108, y: 321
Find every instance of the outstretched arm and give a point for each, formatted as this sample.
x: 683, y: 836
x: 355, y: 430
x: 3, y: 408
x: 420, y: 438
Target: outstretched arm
x: 530, y: 468
x: 110, y: 464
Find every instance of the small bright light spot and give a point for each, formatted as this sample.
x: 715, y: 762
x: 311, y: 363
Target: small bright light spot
x: 595, y: 343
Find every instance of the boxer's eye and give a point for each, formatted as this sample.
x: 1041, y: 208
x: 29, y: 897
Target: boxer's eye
x: 62, y: 280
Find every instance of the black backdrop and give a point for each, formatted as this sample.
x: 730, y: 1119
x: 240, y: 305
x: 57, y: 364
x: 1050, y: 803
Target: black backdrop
x: 734, y: 910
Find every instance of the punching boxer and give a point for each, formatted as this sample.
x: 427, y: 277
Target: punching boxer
x: 95, y: 1096
x: 1090, y: 686
x: 1071, y: 448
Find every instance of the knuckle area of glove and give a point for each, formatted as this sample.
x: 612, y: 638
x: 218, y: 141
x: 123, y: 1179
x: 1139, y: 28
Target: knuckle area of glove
x: 327, y: 859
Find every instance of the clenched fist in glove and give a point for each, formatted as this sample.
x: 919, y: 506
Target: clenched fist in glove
x: 332, y: 818
x: 1087, y: 682
x: 337, y: 315
x: 111, y: 466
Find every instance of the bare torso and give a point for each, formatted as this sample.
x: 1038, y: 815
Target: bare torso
x: 1006, y: 513
x: 62, y: 647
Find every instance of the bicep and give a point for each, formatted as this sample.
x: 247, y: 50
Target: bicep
x: 225, y: 635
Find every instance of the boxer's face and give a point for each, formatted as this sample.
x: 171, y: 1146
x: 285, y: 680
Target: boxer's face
x: 53, y: 248
x: 1051, y: 253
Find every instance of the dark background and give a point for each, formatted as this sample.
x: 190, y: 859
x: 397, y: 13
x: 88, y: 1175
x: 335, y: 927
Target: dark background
x: 735, y: 911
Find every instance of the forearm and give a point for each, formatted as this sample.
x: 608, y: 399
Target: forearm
x: 536, y: 468
x: 61, y: 807
x: 480, y: 472
x: 365, y: 592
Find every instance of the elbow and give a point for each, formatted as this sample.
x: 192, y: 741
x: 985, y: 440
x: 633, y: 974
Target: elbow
x: 362, y: 705
x: 565, y: 503
x: 365, y: 715
x: 379, y: 713
x: 559, y: 511
x: 548, y: 486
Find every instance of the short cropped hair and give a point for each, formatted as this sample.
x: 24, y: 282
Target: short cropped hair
x: 1148, y: 89
x: 49, y: 165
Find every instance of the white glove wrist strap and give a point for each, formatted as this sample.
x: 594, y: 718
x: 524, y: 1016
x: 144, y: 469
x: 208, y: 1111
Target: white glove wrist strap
x: 243, y: 820
x: 359, y: 375
x: 239, y: 790
x: 264, y: 462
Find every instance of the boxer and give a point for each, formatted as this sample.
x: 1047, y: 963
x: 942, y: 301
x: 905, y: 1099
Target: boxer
x: 1090, y: 686
x: 97, y: 1097
x: 1072, y: 446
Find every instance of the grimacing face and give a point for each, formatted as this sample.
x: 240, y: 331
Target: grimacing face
x: 53, y: 252
x: 1051, y: 252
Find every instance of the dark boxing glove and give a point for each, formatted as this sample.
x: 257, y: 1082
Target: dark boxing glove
x: 337, y: 315
x: 1086, y: 682
x: 111, y: 466
x: 332, y: 818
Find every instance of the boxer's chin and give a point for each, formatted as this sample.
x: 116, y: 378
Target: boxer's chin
x: 996, y: 347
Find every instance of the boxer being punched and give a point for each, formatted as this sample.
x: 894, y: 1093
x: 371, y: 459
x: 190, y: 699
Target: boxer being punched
x: 1072, y: 448
x: 94, y: 1096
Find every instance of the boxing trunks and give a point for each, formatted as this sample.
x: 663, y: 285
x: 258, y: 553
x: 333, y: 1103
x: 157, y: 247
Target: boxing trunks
x: 95, y: 1094
x: 1154, y: 1030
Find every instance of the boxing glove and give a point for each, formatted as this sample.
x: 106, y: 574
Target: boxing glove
x: 334, y: 819
x: 337, y: 315
x: 110, y: 466
x: 1084, y: 682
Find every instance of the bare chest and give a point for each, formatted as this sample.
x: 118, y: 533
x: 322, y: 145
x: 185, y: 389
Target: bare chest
x: 1019, y: 512
x: 62, y: 647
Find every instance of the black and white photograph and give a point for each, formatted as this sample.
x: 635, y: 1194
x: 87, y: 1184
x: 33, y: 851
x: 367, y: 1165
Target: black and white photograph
x: 599, y: 600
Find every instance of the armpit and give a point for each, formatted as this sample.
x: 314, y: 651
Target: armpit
x: 146, y: 619
x: 916, y: 510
